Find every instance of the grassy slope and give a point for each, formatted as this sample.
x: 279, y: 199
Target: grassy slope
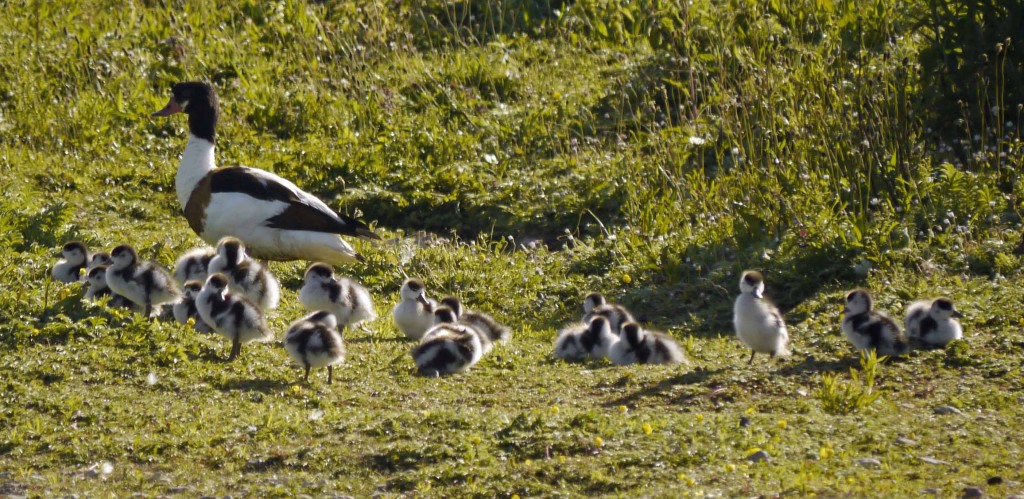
x: 406, y: 105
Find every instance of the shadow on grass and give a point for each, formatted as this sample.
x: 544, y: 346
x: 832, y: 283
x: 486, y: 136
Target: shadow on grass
x: 811, y: 365
x: 256, y: 385
x: 694, y: 377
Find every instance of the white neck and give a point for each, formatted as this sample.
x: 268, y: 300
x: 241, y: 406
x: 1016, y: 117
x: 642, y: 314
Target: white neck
x: 196, y: 162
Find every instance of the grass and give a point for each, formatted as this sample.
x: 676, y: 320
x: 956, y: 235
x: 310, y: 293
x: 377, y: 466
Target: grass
x: 650, y: 151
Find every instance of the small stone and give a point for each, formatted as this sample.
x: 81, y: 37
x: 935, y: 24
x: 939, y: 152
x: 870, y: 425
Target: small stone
x: 868, y: 462
x: 972, y: 493
x: 931, y: 491
x: 759, y: 456
x: 932, y: 460
x: 906, y: 442
x: 948, y: 409
x: 996, y: 480
x: 745, y: 421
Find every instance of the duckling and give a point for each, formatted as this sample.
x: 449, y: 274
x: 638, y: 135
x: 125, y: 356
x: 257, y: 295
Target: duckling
x: 639, y: 346
x: 185, y: 308
x: 314, y: 341
x: 145, y: 284
x: 414, y: 314
x: 193, y: 265
x: 231, y: 315
x: 758, y: 323
x: 452, y: 303
x: 491, y: 330
x: 348, y: 300
x: 934, y: 322
x: 73, y: 258
x: 871, y: 329
x: 96, y: 287
x: 447, y: 347
x: 101, y: 258
x: 596, y: 304
x: 245, y: 275
x: 585, y: 341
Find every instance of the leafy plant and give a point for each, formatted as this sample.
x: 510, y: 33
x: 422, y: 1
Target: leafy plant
x: 842, y: 397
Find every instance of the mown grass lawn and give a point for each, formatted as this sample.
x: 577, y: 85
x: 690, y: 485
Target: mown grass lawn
x: 518, y: 155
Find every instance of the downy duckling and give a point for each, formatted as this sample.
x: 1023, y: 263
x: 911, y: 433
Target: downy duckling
x: 447, y: 347
x: 595, y: 304
x: 348, y: 300
x: 871, y: 329
x: 639, y: 346
x: 101, y: 258
x: 231, y: 315
x: 193, y: 265
x: 185, y: 308
x: 585, y: 341
x: 758, y: 323
x: 314, y: 341
x: 145, y: 284
x: 934, y: 322
x: 245, y: 275
x: 414, y: 313
x: 491, y: 330
x: 96, y: 287
x: 454, y: 304
x: 73, y: 259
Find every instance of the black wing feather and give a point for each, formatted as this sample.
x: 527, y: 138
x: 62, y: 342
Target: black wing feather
x: 299, y: 215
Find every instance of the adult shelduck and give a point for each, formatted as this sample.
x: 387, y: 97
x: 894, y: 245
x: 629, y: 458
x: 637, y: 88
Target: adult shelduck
x: 275, y: 219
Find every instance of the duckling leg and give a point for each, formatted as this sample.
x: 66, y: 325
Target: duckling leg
x: 236, y: 348
x: 330, y: 374
x: 751, y: 361
x: 306, y: 378
x: 149, y: 310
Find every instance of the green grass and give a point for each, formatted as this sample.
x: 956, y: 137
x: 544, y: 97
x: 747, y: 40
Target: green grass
x: 649, y: 151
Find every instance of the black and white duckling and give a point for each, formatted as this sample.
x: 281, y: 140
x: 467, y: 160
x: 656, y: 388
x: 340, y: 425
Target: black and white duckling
x: 934, y: 322
x: 585, y: 341
x: 96, y: 288
x: 639, y: 346
x: 231, y: 315
x: 276, y: 219
x: 74, y: 257
x: 491, y: 330
x: 185, y: 308
x: 193, y: 265
x: 448, y: 347
x: 595, y: 304
x: 869, y: 329
x: 314, y: 341
x: 414, y: 313
x: 453, y: 303
x: 245, y: 275
x: 758, y: 323
x: 145, y: 284
x: 349, y: 301
x: 101, y: 258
